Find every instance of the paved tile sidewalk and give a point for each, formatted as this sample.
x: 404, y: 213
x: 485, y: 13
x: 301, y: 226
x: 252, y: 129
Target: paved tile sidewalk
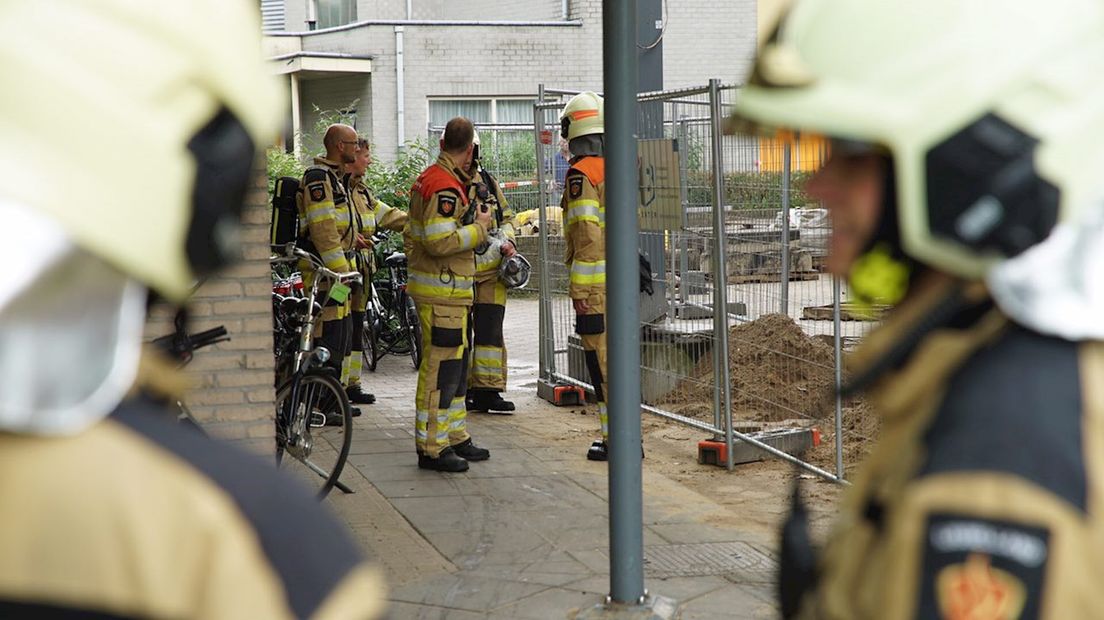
x: 525, y: 534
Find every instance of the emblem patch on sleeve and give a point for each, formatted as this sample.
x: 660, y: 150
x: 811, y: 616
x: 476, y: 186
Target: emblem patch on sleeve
x: 575, y: 187
x: 982, y: 569
x: 446, y: 203
x: 317, y: 193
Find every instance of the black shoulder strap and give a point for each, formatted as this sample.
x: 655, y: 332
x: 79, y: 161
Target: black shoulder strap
x: 493, y: 186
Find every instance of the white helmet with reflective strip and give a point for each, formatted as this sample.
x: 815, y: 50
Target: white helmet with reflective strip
x: 514, y: 271
x: 130, y: 132
x: 158, y: 107
x: 583, y: 115
x: 990, y: 112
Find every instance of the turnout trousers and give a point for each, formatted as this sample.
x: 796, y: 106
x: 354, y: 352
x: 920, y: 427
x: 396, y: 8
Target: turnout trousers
x: 441, y: 418
x: 591, y: 328
x: 488, y: 368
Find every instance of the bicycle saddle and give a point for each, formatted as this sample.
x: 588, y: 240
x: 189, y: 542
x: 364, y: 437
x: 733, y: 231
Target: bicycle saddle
x: 396, y: 259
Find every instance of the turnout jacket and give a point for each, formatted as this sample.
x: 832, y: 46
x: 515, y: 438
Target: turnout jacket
x: 439, y: 245
x: 326, y: 215
x: 372, y: 214
x: 584, y: 222
x: 984, y: 496
x: 487, y: 262
x: 141, y: 517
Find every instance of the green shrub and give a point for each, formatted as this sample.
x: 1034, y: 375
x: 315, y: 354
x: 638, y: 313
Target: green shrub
x: 281, y: 164
x: 391, y: 183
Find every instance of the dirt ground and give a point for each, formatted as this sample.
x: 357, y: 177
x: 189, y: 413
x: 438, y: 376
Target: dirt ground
x: 777, y: 373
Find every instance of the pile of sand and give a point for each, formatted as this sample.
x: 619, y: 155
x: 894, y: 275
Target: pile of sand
x: 778, y: 372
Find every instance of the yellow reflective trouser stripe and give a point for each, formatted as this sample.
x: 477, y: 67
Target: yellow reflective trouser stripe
x: 429, y: 285
x: 585, y: 211
x: 588, y: 272
x: 489, y: 357
x: 603, y: 419
x: 319, y: 211
x: 457, y: 416
x: 435, y: 427
x: 356, y: 366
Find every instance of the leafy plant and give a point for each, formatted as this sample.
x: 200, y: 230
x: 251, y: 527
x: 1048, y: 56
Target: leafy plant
x: 281, y: 164
x: 391, y: 183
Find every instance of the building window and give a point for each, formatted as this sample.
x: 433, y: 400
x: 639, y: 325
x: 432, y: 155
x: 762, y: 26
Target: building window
x: 481, y: 111
x: 336, y: 13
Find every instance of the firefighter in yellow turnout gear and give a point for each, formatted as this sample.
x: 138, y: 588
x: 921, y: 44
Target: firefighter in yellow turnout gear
x: 110, y: 508
x: 370, y: 215
x: 584, y: 220
x: 980, y: 218
x: 488, y: 364
x: 326, y: 220
x: 443, y: 230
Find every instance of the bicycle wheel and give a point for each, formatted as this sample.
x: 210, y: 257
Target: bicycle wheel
x: 370, y: 338
x: 413, y: 328
x: 313, y: 429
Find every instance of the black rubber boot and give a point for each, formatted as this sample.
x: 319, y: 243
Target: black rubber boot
x: 471, y: 452
x: 598, y: 451
x: 334, y: 419
x: 488, y: 401
x: 447, y: 461
x: 358, y: 396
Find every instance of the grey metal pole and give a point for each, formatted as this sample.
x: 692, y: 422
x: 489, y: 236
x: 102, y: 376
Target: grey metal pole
x: 684, y: 199
x: 786, y: 229
x: 546, y: 340
x: 619, y: 66
x: 837, y: 345
x: 720, y: 279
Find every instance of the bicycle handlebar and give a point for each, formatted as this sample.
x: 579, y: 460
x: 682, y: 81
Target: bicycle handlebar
x: 209, y: 337
x: 293, y: 253
x: 180, y: 345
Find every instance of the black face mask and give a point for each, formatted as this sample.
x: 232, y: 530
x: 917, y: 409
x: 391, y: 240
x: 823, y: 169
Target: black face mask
x: 224, y: 153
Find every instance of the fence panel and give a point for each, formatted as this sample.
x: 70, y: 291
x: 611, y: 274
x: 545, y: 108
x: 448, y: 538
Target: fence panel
x: 760, y: 351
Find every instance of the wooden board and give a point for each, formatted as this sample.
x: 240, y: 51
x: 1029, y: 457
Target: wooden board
x: 746, y: 278
x: 848, y: 312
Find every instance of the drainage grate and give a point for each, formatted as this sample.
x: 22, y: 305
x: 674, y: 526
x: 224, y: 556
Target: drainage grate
x: 698, y: 559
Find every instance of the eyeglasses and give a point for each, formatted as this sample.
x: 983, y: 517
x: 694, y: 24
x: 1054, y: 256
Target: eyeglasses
x: 348, y: 141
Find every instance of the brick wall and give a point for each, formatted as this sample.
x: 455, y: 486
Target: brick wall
x: 233, y: 394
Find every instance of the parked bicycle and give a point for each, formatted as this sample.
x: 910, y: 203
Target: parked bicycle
x: 181, y: 346
x: 313, y: 416
x: 391, y: 320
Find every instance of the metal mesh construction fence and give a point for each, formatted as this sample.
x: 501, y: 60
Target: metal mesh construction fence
x: 737, y: 360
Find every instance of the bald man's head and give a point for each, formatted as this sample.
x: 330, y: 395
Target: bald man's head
x: 340, y: 142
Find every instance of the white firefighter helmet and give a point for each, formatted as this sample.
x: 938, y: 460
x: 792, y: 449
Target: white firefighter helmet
x: 987, y: 112
x: 514, y: 271
x: 154, y: 106
x: 583, y: 115
x: 128, y: 149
